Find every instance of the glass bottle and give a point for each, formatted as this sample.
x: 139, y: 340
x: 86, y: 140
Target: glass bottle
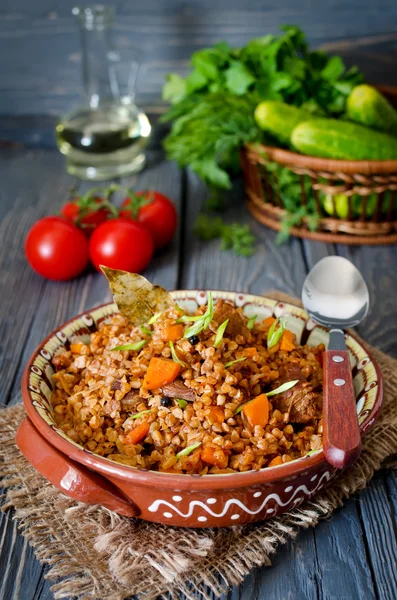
x: 106, y: 135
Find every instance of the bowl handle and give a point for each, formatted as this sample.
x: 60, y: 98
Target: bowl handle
x: 69, y: 476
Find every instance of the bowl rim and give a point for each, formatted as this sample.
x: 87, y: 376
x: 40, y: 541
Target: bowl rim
x: 146, y: 477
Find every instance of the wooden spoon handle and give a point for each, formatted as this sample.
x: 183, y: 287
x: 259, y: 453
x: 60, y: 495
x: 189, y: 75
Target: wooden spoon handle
x: 341, y: 434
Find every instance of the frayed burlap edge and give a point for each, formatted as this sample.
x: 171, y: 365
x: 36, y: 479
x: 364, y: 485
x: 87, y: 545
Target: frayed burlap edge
x: 95, y: 554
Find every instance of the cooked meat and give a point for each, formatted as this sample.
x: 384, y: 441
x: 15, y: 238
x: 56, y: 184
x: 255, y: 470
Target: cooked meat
x: 177, y: 389
x: 116, y: 385
x: 236, y: 326
x: 301, y: 402
x: 130, y: 400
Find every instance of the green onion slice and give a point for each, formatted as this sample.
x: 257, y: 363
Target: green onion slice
x: 174, y: 355
x: 188, y: 319
x: 219, y: 334
x: 275, y: 332
x: 182, y: 403
x: 283, y: 388
x: 251, y: 321
x: 146, y: 330
x: 240, y: 408
x: 188, y: 450
x: 136, y: 346
x: 137, y: 415
x: 311, y: 452
x: 229, y: 364
x: 203, y: 322
x: 154, y: 318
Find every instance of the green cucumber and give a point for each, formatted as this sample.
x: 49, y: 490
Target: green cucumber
x: 279, y: 119
x: 369, y: 107
x: 328, y: 138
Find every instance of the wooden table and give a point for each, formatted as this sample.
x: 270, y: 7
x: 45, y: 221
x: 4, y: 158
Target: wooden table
x: 351, y: 556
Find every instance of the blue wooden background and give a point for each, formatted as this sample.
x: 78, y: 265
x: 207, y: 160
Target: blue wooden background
x: 39, y: 44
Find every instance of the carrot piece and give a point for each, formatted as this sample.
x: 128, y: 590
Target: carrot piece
x: 214, y: 456
x: 161, y: 371
x: 216, y: 413
x: 257, y: 411
x: 286, y: 342
x: 172, y: 333
x: 137, y: 434
x: 76, y: 348
x: 269, y: 321
x: 250, y: 351
x: 276, y: 461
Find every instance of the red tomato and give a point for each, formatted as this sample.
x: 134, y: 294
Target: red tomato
x: 56, y: 249
x: 121, y: 244
x: 158, y: 215
x: 86, y: 215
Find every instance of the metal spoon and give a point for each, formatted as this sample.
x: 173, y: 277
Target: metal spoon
x: 335, y: 295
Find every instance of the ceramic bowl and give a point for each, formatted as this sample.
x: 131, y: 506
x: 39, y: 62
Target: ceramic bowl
x: 181, y: 500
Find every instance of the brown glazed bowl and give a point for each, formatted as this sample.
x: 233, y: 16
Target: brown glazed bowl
x: 181, y: 500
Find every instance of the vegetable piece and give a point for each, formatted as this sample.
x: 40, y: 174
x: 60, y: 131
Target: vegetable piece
x: 283, y: 388
x: 136, y: 298
x: 172, y: 333
x: 214, y: 456
x: 137, y: 416
x: 174, y: 355
x: 137, y: 434
x: 216, y: 413
x: 279, y: 119
x: 275, y: 462
x: 219, y: 333
x: 275, y: 332
x: 251, y: 321
x: 286, y: 342
x: 145, y: 330
x: 188, y: 450
x: 77, y: 347
x: 56, y: 249
x: 269, y: 321
x: 121, y: 244
x: 338, y: 203
x: 203, y: 322
x: 249, y: 352
x: 160, y: 372
x: 329, y: 138
x: 155, y: 211
x: 137, y: 346
x: 182, y: 403
x: 257, y: 411
x: 367, y: 106
x: 232, y: 362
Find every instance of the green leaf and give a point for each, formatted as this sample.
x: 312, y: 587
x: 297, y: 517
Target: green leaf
x: 174, y: 355
x: 282, y: 388
x: 232, y: 362
x: 174, y: 89
x: 275, y: 333
x: 333, y: 69
x: 137, y: 346
x: 195, y: 81
x: 209, y: 170
x: 251, y: 321
x: 219, y: 334
x: 188, y: 450
x: 238, y: 78
x: 182, y: 403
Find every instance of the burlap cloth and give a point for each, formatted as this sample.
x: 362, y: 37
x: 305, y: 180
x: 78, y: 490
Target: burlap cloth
x: 93, y: 553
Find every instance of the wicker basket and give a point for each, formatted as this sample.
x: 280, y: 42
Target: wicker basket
x: 330, y: 177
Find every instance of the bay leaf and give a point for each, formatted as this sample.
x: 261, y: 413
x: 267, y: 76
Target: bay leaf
x: 136, y: 298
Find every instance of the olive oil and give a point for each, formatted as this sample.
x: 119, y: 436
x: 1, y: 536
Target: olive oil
x: 104, y: 143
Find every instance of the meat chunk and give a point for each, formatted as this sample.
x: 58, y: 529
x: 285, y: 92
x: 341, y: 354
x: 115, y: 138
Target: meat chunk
x: 177, y: 389
x: 302, y: 403
x: 236, y: 326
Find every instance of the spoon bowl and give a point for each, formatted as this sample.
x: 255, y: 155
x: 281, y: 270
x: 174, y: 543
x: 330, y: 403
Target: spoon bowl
x: 336, y: 296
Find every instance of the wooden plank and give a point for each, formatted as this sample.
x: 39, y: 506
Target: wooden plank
x: 39, y: 44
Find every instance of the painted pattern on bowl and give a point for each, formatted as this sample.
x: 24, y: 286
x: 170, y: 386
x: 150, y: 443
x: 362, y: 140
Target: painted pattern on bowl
x: 211, y: 500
